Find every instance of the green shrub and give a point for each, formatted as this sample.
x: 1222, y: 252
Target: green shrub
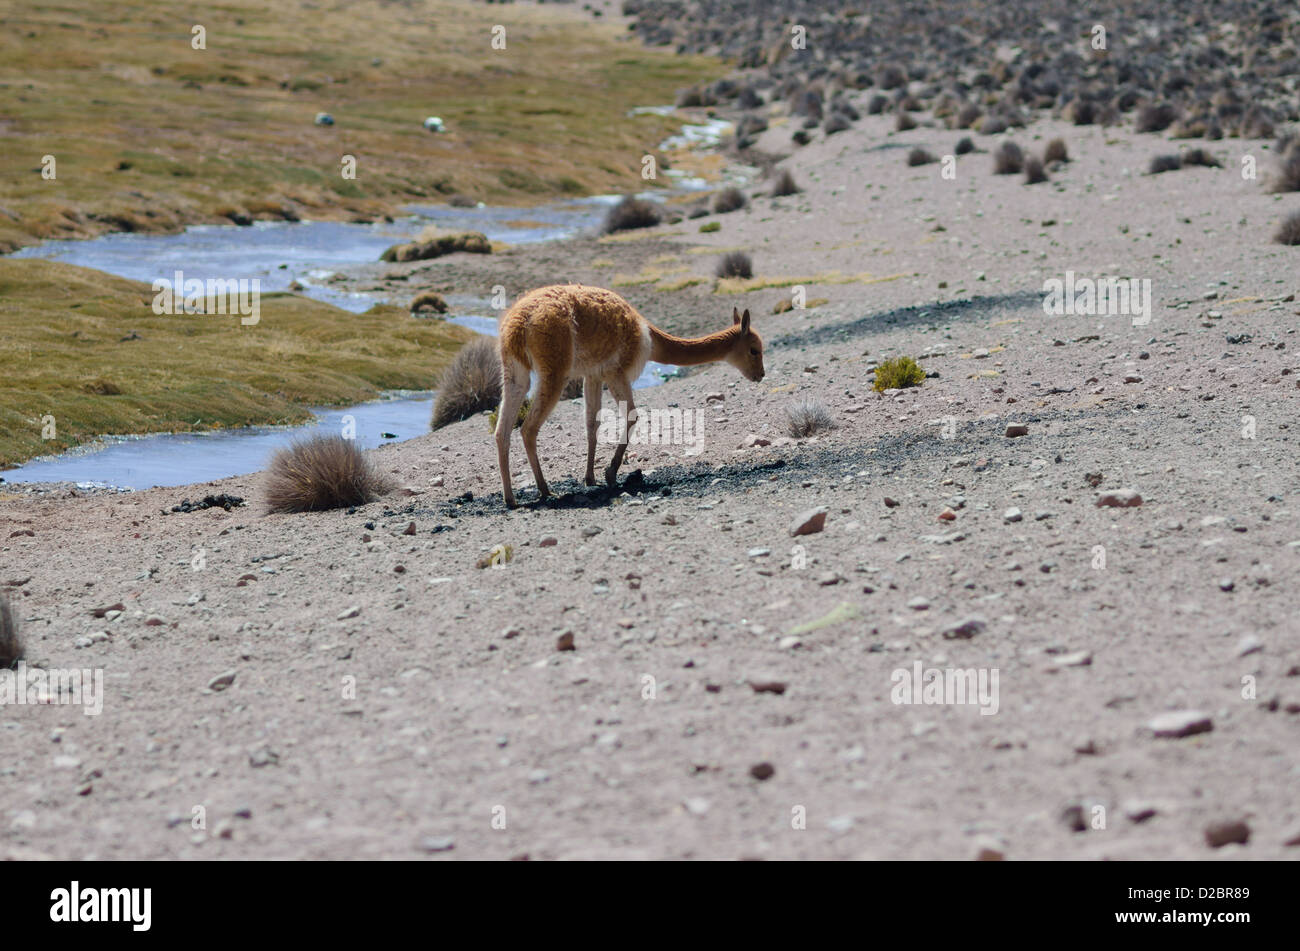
x: 897, y: 373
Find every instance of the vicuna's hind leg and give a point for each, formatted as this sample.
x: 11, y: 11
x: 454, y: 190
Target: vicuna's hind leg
x: 591, y: 387
x: 548, y: 393
x: 622, y: 393
x: 514, y: 387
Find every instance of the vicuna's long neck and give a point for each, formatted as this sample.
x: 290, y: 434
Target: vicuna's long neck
x: 689, y: 351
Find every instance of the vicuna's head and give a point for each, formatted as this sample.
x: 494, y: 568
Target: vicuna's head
x: 746, y: 353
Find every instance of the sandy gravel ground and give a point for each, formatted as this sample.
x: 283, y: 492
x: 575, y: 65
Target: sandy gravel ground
x: 391, y: 699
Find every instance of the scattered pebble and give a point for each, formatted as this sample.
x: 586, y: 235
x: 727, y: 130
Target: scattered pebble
x: 1179, y: 723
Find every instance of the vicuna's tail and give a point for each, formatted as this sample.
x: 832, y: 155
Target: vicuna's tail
x: 11, y: 644
x: 514, y: 344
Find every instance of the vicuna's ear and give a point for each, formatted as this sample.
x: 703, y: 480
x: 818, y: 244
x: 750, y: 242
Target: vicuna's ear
x: 744, y: 321
x: 735, y: 315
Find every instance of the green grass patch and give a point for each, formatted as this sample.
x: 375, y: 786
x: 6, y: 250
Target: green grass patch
x: 62, y: 346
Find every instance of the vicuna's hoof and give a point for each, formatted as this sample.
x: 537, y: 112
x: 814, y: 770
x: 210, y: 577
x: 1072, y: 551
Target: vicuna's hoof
x: 590, y: 480
x: 611, y: 478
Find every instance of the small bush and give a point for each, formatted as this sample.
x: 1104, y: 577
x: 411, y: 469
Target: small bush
x: 728, y: 200
x: 319, y: 473
x: 784, y: 185
x: 993, y: 125
x: 876, y: 104
x: 1081, y: 112
x: 1201, y: 157
x: 1164, y: 163
x: 1289, y: 232
x: 735, y: 264
x: 1288, y: 176
x: 800, y: 137
x: 632, y: 212
x: 806, y: 418
x: 710, y: 226
x: 898, y: 373
x: 1035, y: 173
x: 891, y: 77
x: 967, y: 116
x: 689, y: 98
x: 461, y: 201
x: 1008, y: 159
x: 519, y: 420
x: 846, y: 109
x: 836, y: 122
x: 904, y: 122
x: 920, y: 157
x: 964, y: 145
x: 1056, y: 151
x: 1155, y: 118
x: 429, y: 300
x: 470, y: 385
x: 11, y: 642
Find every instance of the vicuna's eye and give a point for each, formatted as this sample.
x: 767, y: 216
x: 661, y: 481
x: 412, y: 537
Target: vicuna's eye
x: 753, y: 352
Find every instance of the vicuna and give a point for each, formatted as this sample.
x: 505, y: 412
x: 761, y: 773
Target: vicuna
x: 569, y: 331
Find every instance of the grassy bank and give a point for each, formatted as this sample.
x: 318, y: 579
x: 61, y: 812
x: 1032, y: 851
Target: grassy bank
x: 64, y: 355
x: 150, y: 134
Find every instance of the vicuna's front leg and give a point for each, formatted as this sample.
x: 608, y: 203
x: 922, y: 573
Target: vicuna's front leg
x: 514, y: 387
x: 622, y: 392
x: 591, y: 393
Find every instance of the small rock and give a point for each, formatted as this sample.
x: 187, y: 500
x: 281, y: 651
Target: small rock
x: 221, y: 681
x: 1178, y: 723
x: 767, y: 686
x: 1073, y: 819
x: 437, y: 843
x: 548, y: 542
x: 1119, y: 498
x: 1076, y: 659
x: 1138, y: 811
x: 347, y: 613
x: 809, y: 522
x: 1017, y: 429
x: 1232, y: 831
x: 1250, y: 644
x: 565, y: 642
x: 965, y: 629
x: 1012, y: 514
x: 696, y: 806
x: 762, y: 771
